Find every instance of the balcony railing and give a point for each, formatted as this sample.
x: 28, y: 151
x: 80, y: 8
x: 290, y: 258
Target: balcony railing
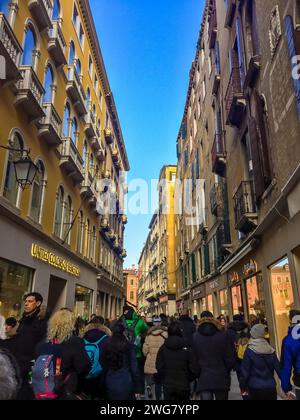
x: 252, y: 71
x: 217, y: 197
x: 213, y: 27
x: 235, y: 102
x: 231, y: 6
x: 86, y: 186
x: 42, y: 12
x: 57, y: 44
x: 71, y: 160
x: 218, y: 154
x: 50, y: 126
x: 104, y: 224
x: 245, y: 207
x: 29, y: 93
x: 75, y: 90
x: 10, y: 50
x: 216, y: 79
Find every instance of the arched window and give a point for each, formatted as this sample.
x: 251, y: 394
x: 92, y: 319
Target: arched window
x: 85, y: 155
x: 11, y: 187
x: 59, y: 212
x: 91, y: 163
x: 88, y: 98
x: 93, y: 244
x: 78, y: 67
x: 74, y: 130
x: 67, y: 117
x: 49, y: 83
x: 87, y: 239
x: 29, y: 47
x: 68, y: 220
x: 80, y: 232
x: 38, y: 187
x: 72, y: 53
x: 56, y: 13
x: 4, y: 7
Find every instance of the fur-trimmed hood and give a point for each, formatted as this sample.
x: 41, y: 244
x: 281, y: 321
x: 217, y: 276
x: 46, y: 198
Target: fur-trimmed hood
x: 158, y: 331
x: 209, y: 327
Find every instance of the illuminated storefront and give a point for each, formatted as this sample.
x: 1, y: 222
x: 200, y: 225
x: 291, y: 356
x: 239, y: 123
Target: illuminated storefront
x: 83, y: 302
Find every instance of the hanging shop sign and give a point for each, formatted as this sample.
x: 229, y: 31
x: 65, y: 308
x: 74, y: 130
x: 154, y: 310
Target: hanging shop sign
x: 56, y: 261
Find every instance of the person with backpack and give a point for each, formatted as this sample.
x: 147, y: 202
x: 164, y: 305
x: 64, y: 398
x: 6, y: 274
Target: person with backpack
x: 258, y: 367
x: 290, y: 357
x: 118, y: 359
x: 216, y: 358
x: 95, y: 337
x: 135, y: 331
x: 176, y: 365
x: 156, y: 337
x: 239, y: 335
x: 61, y: 362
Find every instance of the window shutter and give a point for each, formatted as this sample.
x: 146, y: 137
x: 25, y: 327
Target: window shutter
x: 263, y: 139
x: 257, y: 166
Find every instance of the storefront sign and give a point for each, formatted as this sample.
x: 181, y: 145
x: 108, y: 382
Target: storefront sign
x: 233, y: 277
x: 198, y: 292
x: 50, y: 258
x: 213, y: 285
x: 250, y: 268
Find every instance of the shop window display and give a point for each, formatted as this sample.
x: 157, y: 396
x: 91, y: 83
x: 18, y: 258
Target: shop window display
x: 255, y: 300
x: 224, y: 302
x: 237, y: 303
x: 15, y: 283
x: 83, y: 302
x: 283, y: 296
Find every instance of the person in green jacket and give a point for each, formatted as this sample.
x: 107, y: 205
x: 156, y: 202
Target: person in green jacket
x: 135, y: 332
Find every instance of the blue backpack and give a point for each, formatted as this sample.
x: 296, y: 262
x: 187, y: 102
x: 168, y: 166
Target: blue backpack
x: 93, y: 352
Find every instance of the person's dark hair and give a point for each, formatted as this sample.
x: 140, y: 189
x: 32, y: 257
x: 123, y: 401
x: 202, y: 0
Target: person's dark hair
x: 11, y: 322
x: 206, y: 314
x: 97, y: 320
x: 117, y: 347
x: 238, y: 318
x: 175, y: 328
x: 294, y: 313
x: 38, y: 297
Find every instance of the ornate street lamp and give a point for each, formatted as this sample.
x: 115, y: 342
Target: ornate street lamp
x: 25, y: 169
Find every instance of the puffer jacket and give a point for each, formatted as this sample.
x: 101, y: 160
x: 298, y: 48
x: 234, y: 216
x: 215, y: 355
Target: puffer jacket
x: 155, y: 339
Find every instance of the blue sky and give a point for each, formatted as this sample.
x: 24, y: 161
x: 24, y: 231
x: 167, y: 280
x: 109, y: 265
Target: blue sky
x: 148, y: 47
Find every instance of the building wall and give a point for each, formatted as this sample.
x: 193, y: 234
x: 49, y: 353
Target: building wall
x: 107, y: 263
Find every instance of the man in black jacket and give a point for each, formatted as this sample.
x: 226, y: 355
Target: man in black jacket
x: 31, y: 331
x: 188, y: 326
x: 216, y: 358
x: 176, y: 365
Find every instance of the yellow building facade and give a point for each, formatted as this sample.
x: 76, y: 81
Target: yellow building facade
x: 157, y: 278
x: 56, y: 101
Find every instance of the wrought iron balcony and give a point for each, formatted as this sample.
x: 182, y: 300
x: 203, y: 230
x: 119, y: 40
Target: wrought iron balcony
x: 42, y: 12
x: 213, y: 27
x: 104, y: 225
x: 100, y: 154
x: 253, y: 71
x: 235, y: 102
x: 216, y: 79
x: 108, y: 135
x: 10, y: 50
x: 230, y: 12
x: 50, y: 126
x: 75, y: 90
x: 71, y: 160
x: 245, y: 207
x: 223, y: 237
x: 57, y: 44
x: 218, y: 154
x: 29, y: 93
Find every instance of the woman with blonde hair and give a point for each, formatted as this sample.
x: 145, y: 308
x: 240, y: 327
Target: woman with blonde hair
x: 63, y: 357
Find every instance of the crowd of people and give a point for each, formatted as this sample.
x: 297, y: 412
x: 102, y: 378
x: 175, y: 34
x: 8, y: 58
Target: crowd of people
x: 133, y: 357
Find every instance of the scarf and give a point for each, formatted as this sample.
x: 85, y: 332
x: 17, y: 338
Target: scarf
x: 260, y: 346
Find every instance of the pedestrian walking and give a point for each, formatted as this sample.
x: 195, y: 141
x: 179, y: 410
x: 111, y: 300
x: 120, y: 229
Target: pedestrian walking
x: 155, y: 338
x: 188, y: 326
x: 176, y: 365
x: 259, y: 366
x: 216, y: 358
x: 119, y: 363
x: 290, y: 357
